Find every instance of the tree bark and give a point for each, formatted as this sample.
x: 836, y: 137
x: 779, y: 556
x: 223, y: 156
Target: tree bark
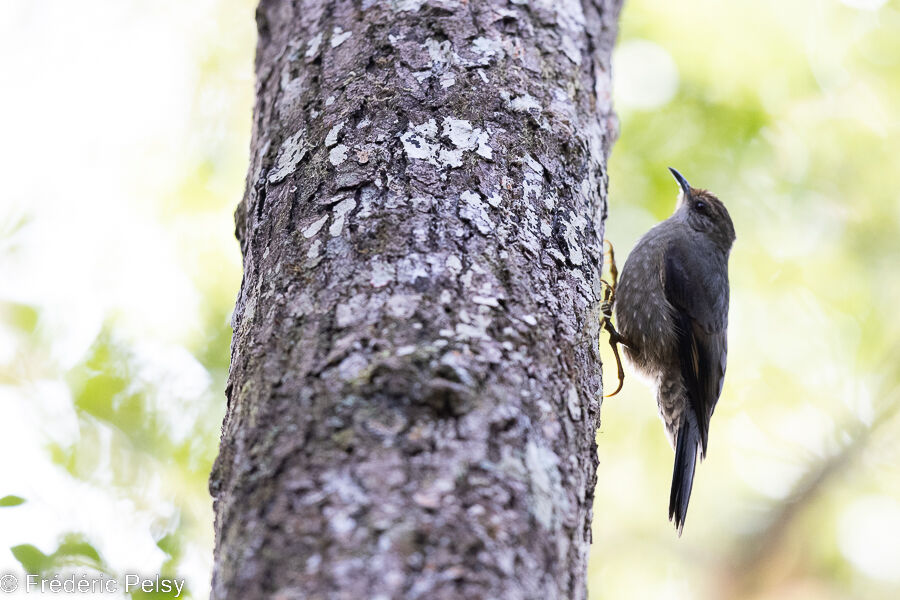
x: 415, y: 381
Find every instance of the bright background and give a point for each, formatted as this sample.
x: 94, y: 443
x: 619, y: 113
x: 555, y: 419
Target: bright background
x: 125, y: 129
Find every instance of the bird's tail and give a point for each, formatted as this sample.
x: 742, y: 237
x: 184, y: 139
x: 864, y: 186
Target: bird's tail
x: 686, y: 445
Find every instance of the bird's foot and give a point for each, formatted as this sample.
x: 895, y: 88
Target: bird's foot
x: 606, y: 309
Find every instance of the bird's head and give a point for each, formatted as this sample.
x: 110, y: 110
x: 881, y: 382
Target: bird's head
x: 704, y: 213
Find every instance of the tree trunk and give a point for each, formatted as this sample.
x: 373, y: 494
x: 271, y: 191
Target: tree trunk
x: 415, y: 382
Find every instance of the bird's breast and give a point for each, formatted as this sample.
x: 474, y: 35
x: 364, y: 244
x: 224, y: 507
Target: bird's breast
x: 642, y: 312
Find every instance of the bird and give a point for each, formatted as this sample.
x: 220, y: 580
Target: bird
x: 671, y: 310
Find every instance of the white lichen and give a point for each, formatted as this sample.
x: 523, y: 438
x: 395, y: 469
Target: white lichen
x: 525, y: 103
x: 336, y: 226
x: 532, y: 178
x: 339, y: 36
x: 570, y: 233
x: 403, y: 306
x: 338, y: 154
x: 340, y: 211
x: 428, y: 128
x: 450, y: 158
x: 488, y: 49
x: 291, y: 152
x: 486, y: 301
x: 454, y: 265
x: 579, y: 221
x: 464, y: 136
x: 472, y: 209
x: 315, y: 227
x: 533, y: 163
x: 352, y: 366
x: 559, y: 256
x: 408, y: 5
x: 381, y: 274
x: 350, y: 312
x: 313, y: 48
x: 573, y: 404
x: 314, y: 249
x: 440, y: 53
x: 417, y: 147
x: 471, y: 332
x: 545, y: 228
x: 411, y: 268
x: 344, y: 206
x: 543, y: 471
x: 332, y: 138
x: 421, y: 142
x: 341, y: 523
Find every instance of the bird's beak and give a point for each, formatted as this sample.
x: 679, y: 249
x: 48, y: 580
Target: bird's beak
x: 685, y: 186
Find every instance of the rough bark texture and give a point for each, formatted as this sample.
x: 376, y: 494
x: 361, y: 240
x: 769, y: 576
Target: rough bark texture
x: 415, y: 383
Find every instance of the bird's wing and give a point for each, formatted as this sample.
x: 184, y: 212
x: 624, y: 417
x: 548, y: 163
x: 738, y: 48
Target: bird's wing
x: 698, y: 294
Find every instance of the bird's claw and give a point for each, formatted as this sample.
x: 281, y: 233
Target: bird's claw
x: 613, y: 270
x: 606, y: 309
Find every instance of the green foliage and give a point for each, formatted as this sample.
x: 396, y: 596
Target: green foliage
x: 32, y: 559
x: 116, y: 399
x: 73, y: 551
x: 7, y: 501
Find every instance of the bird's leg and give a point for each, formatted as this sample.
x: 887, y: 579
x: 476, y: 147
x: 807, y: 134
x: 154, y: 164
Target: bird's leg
x: 606, y: 308
x: 615, y: 337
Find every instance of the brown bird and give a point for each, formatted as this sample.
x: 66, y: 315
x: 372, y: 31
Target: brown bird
x: 671, y: 307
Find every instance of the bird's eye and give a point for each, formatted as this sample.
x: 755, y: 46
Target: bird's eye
x: 700, y: 205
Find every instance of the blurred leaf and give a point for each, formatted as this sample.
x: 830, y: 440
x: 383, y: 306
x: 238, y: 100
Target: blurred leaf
x: 7, y: 501
x: 171, y: 545
x: 11, y: 226
x: 21, y: 317
x: 74, y: 547
x: 31, y: 559
x: 104, y: 387
x: 64, y: 457
x: 73, y: 550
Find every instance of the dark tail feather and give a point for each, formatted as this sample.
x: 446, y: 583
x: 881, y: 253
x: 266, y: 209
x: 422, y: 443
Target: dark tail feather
x: 683, y: 474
